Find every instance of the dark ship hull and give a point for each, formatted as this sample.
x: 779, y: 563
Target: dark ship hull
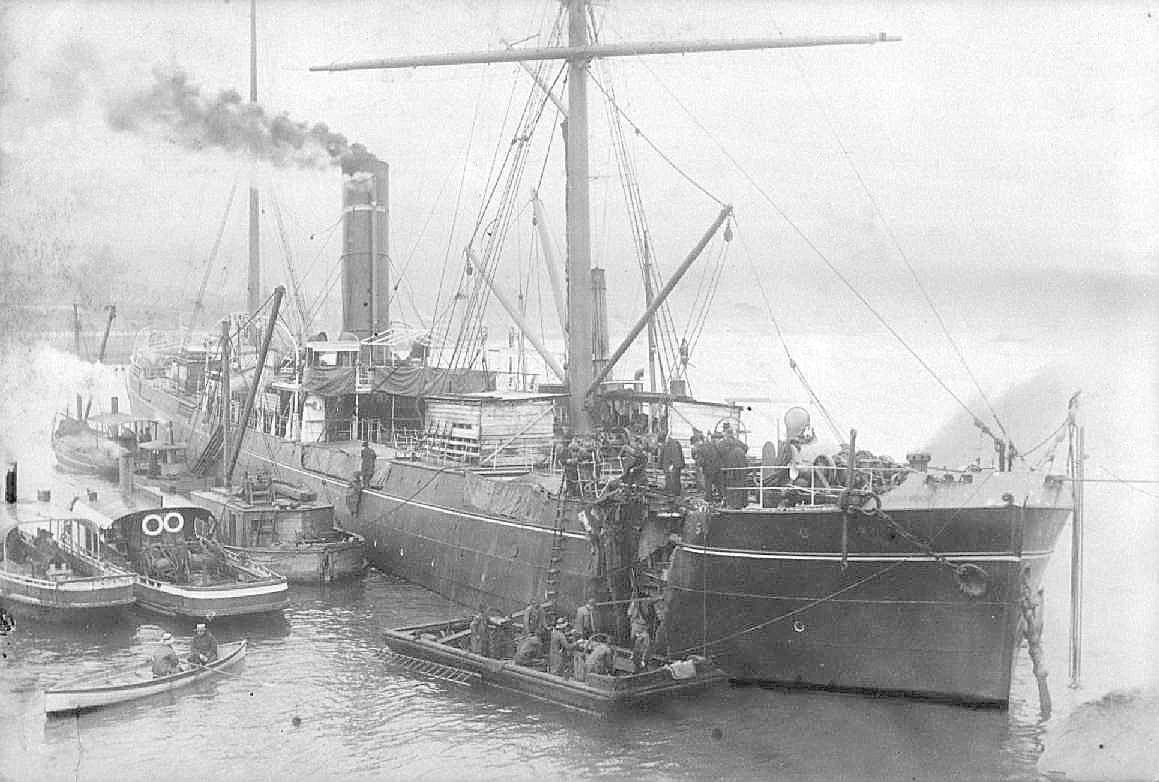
x: 769, y: 594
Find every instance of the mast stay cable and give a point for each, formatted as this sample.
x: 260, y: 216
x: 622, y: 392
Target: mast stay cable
x: 896, y: 243
x: 827, y: 262
x: 199, y: 302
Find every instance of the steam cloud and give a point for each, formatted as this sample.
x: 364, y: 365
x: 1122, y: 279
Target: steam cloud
x: 196, y: 120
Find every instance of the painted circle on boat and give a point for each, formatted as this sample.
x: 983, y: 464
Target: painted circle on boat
x: 798, y: 626
x: 147, y: 525
x: 177, y: 519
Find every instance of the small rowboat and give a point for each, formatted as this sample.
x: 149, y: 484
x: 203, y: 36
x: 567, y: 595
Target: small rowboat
x: 133, y: 683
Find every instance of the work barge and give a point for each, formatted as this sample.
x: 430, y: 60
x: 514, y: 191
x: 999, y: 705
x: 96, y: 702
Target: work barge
x: 441, y: 651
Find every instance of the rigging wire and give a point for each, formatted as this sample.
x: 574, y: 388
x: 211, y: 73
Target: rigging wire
x: 199, y: 302
x: 894, y: 240
x: 436, y: 314
x: 833, y: 427
x: 291, y: 273
x: 667, y: 352
x: 821, y: 255
x: 636, y: 129
x: 514, y: 164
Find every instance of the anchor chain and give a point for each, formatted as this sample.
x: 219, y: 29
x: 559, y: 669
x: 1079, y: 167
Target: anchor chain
x: 971, y: 579
x: 1031, y: 606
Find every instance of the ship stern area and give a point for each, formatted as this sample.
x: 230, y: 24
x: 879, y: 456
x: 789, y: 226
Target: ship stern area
x: 920, y: 591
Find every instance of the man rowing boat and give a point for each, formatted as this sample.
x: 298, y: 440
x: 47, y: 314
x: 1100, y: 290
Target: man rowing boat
x: 164, y: 659
x: 203, y: 646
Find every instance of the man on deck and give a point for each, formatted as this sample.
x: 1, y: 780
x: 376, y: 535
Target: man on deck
x: 481, y: 631
x: 202, y: 647
x: 640, y: 615
x: 533, y: 622
x: 558, y: 648
x: 671, y: 464
x: 164, y: 659
x: 585, y: 619
x: 528, y: 650
x: 600, y: 655
x: 369, y: 457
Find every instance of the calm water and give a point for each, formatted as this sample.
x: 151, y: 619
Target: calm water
x: 362, y: 719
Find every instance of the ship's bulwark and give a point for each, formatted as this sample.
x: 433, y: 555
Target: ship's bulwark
x: 774, y: 602
x: 891, y: 618
x: 417, y: 524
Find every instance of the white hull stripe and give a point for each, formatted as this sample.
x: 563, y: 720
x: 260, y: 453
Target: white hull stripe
x: 401, y: 501
x: 836, y: 557
x: 215, y: 594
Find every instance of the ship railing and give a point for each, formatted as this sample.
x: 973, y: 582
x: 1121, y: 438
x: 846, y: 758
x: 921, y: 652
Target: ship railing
x: 370, y: 429
x: 523, y: 453
x: 401, y: 439
x: 337, y: 430
x: 74, y: 550
x: 73, y: 584
x: 771, y: 486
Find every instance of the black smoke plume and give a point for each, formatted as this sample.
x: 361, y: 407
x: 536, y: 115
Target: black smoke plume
x: 197, y: 120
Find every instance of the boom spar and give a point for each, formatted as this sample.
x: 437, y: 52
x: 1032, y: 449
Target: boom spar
x: 579, y: 53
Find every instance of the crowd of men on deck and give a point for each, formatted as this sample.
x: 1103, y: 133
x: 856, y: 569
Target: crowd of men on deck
x: 575, y: 648
x: 720, y: 461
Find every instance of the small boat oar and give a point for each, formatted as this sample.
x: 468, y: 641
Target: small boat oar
x: 224, y: 673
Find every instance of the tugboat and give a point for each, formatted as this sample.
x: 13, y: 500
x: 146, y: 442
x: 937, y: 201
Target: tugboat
x: 179, y: 570
x: 53, y: 566
x: 93, y: 445
x: 284, y: 528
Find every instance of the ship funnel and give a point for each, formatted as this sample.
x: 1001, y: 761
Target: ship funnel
x: 125, y: 474
x: 10, y: 484
x: 365, y: 268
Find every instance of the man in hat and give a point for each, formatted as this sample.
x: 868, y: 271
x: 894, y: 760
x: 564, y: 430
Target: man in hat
x: 480, y: 628
x: 600, y: 656
x: 707, y: 458
x: 164, y: 659
x: 585, y: 619
x: 640, y: 619
x: 671, y: 463
x: 369, y: 457
x: 203, y: 646
x: 558, y: 647
x: 528, y: 650
x: 533, y: 620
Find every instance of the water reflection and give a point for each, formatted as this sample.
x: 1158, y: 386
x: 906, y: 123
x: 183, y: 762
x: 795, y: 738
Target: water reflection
x: 359, y: 717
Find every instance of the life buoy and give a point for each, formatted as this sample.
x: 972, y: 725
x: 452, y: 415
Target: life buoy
x: 972, y: 579
x: 177, y: 518
x: 147, y: 525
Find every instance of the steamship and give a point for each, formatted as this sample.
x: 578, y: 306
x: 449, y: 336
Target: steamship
x: 832, y: 569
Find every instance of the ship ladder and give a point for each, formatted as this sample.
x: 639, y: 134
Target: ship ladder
x: 210, y: 453
x: 434, y: 670
x: 558, y: 540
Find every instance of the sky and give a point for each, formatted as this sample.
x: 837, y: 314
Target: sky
x: 994, y: 139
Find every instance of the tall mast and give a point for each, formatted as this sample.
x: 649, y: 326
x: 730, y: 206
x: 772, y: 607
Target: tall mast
x: 254, y: 285
x: 579, y: 53
x: 579, y: 250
